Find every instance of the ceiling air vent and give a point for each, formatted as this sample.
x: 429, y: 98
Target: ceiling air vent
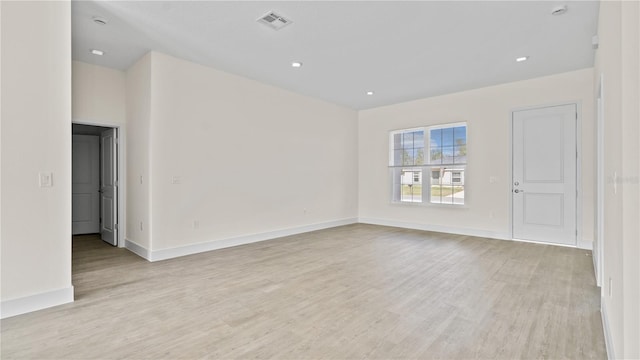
x: 274, y: 21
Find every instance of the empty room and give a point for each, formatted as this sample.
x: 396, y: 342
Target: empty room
x: 320, y: 179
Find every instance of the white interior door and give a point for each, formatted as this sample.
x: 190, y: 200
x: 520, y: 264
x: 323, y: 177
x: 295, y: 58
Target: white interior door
x: 109, y: 186
x: 85, y: 175
x: 544, y: 174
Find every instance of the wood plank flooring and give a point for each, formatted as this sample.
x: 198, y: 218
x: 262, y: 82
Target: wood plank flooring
x: 352, y: 292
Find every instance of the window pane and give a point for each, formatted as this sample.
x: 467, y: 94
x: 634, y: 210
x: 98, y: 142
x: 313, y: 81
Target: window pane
x: 436, y: 179
x: 418, y: 139
x: 460, y: 135
x: 435, y: 138
x: 447, y: 137
x: 407, y: 140
x: 410, y: 185
x: 447, y: 155
x: 419, y: 156
x: 407, y: 156
x: 417, y: 193
x: 407, y: 195
x: 436, y: 156
x: 458, y: 195
x: 435, y: 194
x: 460, y: 154
x: 406, y: 177
x: 447, y: 185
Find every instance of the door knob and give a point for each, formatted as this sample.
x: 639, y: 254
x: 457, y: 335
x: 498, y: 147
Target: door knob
x: 516, y: 183
x: 518, y: 191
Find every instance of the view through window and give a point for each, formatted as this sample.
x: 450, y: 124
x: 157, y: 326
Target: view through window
x: 446, y: 160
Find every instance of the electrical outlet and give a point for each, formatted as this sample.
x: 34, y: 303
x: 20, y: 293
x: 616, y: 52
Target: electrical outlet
x: 140, y: 179
x: 140, y: 225
x: 195, y: 224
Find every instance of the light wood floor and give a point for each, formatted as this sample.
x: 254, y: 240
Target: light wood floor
x: 352, y: 292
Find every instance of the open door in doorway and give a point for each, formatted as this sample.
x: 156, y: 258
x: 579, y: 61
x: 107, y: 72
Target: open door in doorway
x: 109, y: 186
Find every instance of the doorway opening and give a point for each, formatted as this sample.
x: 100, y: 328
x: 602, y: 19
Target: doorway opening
x: 95, y: 188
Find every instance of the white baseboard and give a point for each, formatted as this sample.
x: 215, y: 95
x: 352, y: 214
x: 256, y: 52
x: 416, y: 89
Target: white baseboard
x: 607, y: 330
x: 436, y: 228
x: 164, y: 254
x: 26, y: 304
x: 137, y: 249
x: 585, y: 244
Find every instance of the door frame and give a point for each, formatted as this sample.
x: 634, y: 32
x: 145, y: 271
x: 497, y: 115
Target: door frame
x: 578, y: 104
x: 600, y: 180
x: 122, y: 174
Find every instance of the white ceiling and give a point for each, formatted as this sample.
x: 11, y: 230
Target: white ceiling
x: 401, y: 50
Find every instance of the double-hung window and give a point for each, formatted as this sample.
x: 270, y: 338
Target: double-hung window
x: 438, y: 151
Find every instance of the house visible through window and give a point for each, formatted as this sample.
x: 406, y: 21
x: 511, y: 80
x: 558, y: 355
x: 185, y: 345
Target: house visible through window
x: 446, y: 147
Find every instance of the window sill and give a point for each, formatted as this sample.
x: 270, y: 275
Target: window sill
x: 430, y: 205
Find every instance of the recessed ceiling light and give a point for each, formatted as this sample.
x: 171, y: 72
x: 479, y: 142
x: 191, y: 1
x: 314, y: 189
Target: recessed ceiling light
x: 522, y: 58
x: 296, y: 64
x: 559, y: 10
x: 369, y: 93
x: 97, y: 52
x: 99, y: 20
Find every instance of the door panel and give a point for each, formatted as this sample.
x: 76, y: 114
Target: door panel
x: 543, y: 209
x: 108, y: 186
x: 85, y: 175
x: 544, y: 174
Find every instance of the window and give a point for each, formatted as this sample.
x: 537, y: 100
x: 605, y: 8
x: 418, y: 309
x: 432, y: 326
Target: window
x: 446, y: 149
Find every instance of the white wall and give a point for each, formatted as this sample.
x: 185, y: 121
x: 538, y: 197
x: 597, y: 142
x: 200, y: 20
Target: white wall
x: 98, y: 94
x: 617, y: 62
x: 36, y: 137
x: 250, y: 158
x: 630, y: 27
x: 487, y: 113
x: 138, y: 119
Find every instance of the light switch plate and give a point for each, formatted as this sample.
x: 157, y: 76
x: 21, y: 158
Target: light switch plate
x: 45, y: 179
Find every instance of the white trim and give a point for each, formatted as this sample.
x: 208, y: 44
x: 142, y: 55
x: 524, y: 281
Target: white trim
x: 585, y: 244
x: 581, y: 245
x: 579, y: 205
x: 137, y: 249
x: 608, y: 341
x: 462, y: 231
x: 599, y: 236
x: 36, y: 302
x: 436, y: 228
x: 164, y: 254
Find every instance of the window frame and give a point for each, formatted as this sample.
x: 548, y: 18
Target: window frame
x: 427, y: 167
